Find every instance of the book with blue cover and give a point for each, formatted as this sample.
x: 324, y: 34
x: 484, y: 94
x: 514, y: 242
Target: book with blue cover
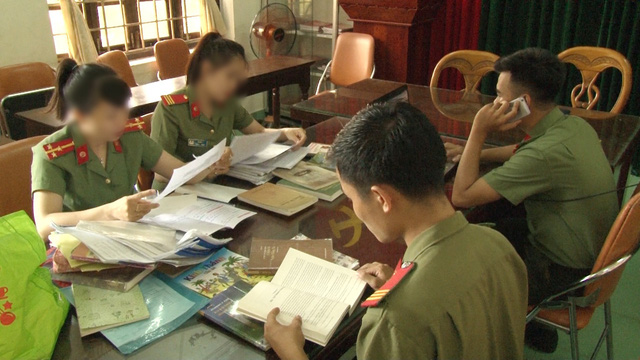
x: 222, y: 310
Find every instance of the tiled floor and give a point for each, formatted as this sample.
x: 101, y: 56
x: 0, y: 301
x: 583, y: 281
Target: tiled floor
x: 625, y: 305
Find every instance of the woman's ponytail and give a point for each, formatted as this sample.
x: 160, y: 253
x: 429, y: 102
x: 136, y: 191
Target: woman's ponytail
x: 214, y: 48
x: 65, y: 71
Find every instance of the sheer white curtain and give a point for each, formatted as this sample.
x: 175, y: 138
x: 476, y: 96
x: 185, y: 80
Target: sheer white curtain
x: 81, y: 45
x: 211, y: 18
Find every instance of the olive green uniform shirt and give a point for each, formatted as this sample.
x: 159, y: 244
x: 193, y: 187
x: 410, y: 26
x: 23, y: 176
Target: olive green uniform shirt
x: 183, y: 132
x: 466, y: 298
x: 560, y: 164
x: 89, y: 185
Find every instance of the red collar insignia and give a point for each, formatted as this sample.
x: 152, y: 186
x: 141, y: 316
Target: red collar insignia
x: 526, y: 138
x: 195, y: 110
x: 168, y: 100
x: 135, y: 124
x: 59, y: 148
x: 82, y: 154
x: 117, y: 146
x: 402, y: 269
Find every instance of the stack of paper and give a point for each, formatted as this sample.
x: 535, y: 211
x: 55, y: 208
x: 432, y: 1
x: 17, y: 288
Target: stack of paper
x: 255, y: 157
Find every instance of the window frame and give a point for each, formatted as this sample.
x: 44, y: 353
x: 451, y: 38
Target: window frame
x: 134, y: 46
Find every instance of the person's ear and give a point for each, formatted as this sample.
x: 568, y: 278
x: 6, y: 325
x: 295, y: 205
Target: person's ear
x: 527, y: 99
x: 383, y: 196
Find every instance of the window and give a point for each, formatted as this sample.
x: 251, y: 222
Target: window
x: 132, y: 26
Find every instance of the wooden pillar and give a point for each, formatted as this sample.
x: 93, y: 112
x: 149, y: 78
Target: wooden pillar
x: 402, y: 30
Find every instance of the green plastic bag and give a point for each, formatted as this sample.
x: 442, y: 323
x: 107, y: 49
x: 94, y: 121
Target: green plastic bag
x: 32, y: 309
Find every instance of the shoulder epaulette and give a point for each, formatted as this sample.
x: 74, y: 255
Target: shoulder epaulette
x: 135, y: 124
x: 174, y: 99
x: 59, y: 148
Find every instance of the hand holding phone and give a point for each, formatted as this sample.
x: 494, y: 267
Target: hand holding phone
x: 523, y: 109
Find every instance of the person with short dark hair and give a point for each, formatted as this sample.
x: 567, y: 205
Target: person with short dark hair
x: 559, y: 171
x: 192, y: 120
x: 88, y: 169
x: 463, y: 293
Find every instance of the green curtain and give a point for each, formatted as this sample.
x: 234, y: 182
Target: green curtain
x: 510, y: 25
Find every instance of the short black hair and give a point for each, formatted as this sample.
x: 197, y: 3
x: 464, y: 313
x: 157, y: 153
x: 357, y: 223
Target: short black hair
x: 393, y: 144
x: 537, y: 70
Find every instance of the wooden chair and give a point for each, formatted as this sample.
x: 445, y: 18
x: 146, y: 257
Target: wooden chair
x: 23, y: 78
x: 172, y: 57
x: 145, y: 177
x: 473, y: 64
x: 118, y: 61
x: 15, y: 176
x: 567, y: 312
x: 352, y: 60
x: 591, y: 61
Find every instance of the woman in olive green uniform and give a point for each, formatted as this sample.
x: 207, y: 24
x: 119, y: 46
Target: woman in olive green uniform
x: 88, y: 169
x: 194, y: 119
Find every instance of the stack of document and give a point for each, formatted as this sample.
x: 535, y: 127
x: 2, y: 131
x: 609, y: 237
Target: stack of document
x: 256, y: 156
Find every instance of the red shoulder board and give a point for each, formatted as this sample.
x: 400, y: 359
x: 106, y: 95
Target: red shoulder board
x: 526, y: 138
x: 402, y: 269
x: 59, y: 148
x: 174, y: 99
x: 135, y: 124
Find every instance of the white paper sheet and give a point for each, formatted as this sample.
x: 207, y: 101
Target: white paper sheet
x: 192, y: 169
x: 245, y: 146
x: 173, y: 204
x: 270, y: 152
x: 210, y: 191
x: 288, y: 159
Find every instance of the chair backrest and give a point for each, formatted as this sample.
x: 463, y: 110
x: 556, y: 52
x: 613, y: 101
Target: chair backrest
x: 14, y: 103
x: 119, y: 62
x: 473, y: 64
x: 25, y: 77
x: 15, y: 176
x: 622, y: 240
x: 145, y: 177
x: 172, y: 57
x: 591, y: 61
x: 353, y: 58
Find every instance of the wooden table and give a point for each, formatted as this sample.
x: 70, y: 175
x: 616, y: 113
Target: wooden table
x: 268, y: 74
x: 452, y: 113
x: 324, y: 220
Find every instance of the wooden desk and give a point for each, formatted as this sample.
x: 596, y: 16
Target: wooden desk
x: 268, y: 74
x: 324, y: 220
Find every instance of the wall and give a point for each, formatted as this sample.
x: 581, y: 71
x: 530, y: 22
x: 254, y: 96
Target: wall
x: 25, y: 32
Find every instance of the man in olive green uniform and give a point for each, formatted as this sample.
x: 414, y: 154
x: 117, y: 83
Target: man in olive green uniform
x: 63, y: 164
x: 559, y: 171
x: 460, y: 290
x: 179, y: 127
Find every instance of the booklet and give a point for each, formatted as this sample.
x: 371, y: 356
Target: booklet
x: 267, y: 254
x: 220, y: 271
x: 308, y: 175
x: 321, y: 292
x: 279, y: 199
x: 222, y: 311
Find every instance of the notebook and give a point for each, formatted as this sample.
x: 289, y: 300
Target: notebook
x: 100, y: 309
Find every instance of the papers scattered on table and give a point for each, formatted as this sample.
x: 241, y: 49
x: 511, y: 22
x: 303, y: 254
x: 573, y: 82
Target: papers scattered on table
x: 204, y: 217
x: 190, y: 170
x: 270, y: 152
x: 246, y: 146
x: 210, y: 191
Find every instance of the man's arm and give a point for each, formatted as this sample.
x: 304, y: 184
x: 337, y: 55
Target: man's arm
x: 498, y: 154
x: 286, y: 340
x: 468, y: 188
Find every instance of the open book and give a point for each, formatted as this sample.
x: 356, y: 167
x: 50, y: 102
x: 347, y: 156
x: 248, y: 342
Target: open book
x: 321, y: 292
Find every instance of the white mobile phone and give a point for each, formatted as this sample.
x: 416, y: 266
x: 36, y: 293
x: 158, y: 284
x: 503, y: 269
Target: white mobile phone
x: 523, y: 108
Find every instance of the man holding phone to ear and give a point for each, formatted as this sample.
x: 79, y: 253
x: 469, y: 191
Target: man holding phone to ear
x: 555, y: 171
